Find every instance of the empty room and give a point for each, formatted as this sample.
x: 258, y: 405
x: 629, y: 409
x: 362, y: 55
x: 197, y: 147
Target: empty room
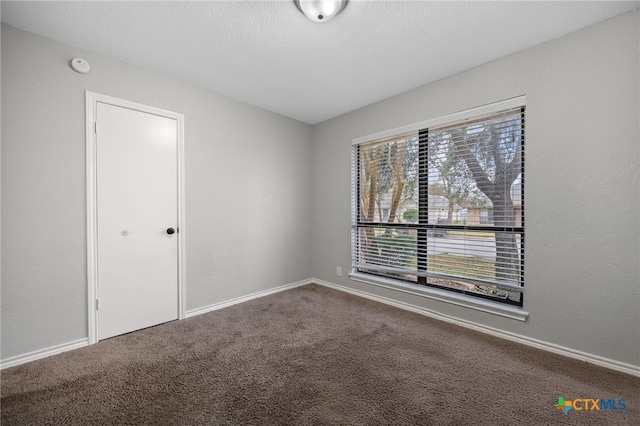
x: 320, y: 212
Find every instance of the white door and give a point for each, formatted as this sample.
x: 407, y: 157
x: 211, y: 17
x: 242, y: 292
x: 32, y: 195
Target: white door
x: 137, y: 210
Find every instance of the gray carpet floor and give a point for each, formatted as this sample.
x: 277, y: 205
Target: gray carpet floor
x: 310, y: 356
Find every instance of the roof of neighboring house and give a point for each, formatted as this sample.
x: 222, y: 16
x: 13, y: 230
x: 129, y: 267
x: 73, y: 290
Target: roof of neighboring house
x: 435, y: 202
x: 440, y: 202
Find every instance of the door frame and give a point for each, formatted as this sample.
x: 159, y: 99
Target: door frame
x: 91, y: 102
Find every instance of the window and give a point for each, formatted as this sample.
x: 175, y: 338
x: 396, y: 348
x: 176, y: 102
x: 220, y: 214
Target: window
x: 486, y: 216
x: 440, y: 204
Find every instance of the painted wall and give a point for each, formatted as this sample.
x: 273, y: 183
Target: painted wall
x: 582, y: 199
x: 247, y: 189
x: 248, y: 214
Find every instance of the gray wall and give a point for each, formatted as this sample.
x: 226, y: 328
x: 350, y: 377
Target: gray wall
x: 581, y: 208
x: 247, y: 189
x: 248, y: 216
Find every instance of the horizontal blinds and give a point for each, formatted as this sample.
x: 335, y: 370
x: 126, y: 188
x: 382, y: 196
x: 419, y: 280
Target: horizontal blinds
x: 389, y: 249
x: 444, y: 206
x: 475, y: 172
x: 455, y: 119
x: 389, y: 180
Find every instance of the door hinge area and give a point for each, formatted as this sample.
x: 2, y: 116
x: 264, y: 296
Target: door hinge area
x: 97, y: 304
x: 95, y: 127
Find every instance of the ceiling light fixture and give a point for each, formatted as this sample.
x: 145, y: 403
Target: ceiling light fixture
x: 320, y: 10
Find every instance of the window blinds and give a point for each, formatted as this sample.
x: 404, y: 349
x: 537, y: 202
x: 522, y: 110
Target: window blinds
x: 444, y: 206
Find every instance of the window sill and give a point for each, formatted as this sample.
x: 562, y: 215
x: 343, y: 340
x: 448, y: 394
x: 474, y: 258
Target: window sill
x: 444, y: 296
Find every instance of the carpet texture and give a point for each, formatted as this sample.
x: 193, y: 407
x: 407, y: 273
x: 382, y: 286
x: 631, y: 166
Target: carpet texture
x: 310, y: 356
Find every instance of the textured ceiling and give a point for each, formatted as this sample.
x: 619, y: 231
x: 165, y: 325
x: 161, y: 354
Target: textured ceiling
x: 268, y: 54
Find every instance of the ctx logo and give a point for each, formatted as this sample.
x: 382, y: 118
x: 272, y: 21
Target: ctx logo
x: 590, y: 404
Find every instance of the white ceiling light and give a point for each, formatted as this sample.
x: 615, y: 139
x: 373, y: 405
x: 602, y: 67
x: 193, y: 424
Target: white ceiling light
x: 320, y: 10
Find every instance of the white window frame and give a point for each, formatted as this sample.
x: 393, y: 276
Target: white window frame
x: 484, y: 305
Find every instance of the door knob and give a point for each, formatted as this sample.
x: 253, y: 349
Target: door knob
x: 171, y: 231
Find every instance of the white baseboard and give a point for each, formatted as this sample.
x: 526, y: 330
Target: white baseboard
x: 53, y: 350
x: 539, y: 344
x: 550, y: 347
x: 227, y: 303
x: 43, y: 353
